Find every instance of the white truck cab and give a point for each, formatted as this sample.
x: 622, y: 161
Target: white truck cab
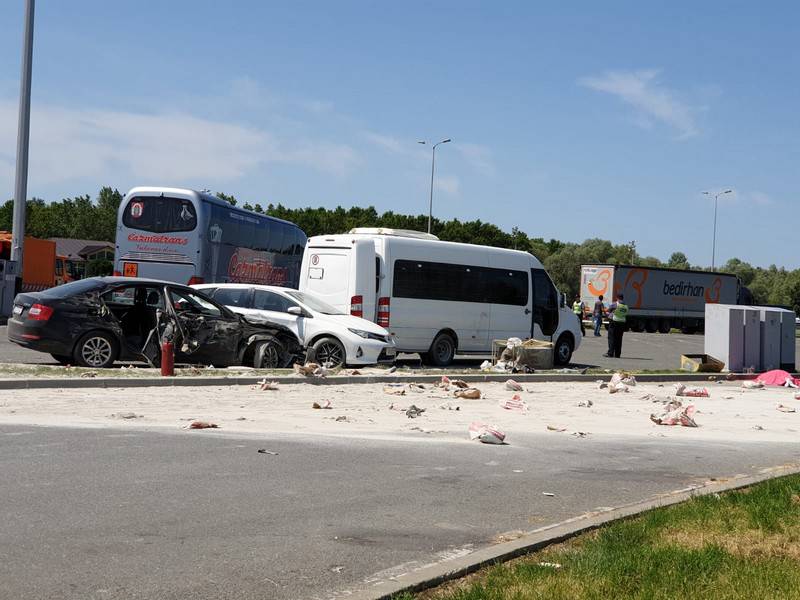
x: 439, y: 298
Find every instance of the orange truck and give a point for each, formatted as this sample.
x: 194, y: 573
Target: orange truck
x: 41, y: 268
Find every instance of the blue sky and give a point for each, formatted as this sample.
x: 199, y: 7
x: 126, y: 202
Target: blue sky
x: 581, y: 120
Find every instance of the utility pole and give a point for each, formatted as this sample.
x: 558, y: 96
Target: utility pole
x: 714, y: 242
x: 23, y: 139
x: 433, y: 165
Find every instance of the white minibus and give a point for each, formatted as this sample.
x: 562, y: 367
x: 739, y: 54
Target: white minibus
x: 439, y: 298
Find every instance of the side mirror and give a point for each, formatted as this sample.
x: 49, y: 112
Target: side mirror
x: 296, y: 311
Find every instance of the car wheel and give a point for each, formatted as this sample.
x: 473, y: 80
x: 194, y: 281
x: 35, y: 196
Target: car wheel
x: 96, y: 349
x: 267, y: 354
x: 62, y: 358
x: 329, y: 352
x: 563, y: 350
x: 443, y: 350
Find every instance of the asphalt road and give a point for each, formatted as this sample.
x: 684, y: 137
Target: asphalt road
x: 653, y: 351
x: 105, y: 514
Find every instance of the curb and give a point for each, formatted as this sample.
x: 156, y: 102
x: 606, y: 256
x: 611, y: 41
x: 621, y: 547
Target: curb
x: 131, y: 382
x: 432, y: 576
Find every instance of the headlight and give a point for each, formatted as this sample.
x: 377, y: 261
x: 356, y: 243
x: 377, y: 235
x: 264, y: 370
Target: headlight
x: 368, y: 335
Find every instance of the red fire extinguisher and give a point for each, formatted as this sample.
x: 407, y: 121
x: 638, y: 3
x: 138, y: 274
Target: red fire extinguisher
x: 167, y: 359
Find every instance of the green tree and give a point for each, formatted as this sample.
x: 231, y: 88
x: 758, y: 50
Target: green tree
x: 678, y: 260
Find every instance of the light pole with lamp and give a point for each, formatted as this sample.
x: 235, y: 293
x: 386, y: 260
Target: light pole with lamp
x: 714, y: 243
x: 433, y: 165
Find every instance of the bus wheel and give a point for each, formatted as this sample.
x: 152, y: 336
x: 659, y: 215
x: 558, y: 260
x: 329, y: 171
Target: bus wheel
x: 563, y: 350
x: 443, y: 350
x: 329, y: 352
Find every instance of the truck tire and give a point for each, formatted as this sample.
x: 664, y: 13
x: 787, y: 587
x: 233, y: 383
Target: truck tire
x: 443, y: 350
x: 562, y: 351
x: 664, y: 326
x: 651, y: 325
x: 637, y: 325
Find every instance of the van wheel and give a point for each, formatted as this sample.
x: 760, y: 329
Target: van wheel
x: 329, y: 352
x: 443, y: 350
x: 96, y: 349
x: 563, y: 350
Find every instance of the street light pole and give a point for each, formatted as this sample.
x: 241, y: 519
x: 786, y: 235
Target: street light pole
x: 433, y: 166
x: 714, y: 242
x: 23, y: 138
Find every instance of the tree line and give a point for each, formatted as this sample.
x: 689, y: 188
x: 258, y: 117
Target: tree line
x: 84, y: 218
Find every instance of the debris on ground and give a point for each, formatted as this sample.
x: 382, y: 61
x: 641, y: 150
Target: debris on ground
x: 513, y: 386
x: 674, y: 413
x: 556, y: 428
x: 395, y: 389
x: 619, y: 382
x: 549, y: 565
x: 416, y: 387
x: 468, y: 393
x: 692, y: 392
x: 449, y: 406
x: 650, y: 397
x: 265, y: 451
x: 516, y: 403
x: 306, y: 370
x: 89, y: 374
x: 752, y: 384
x: 613, y: 388
x: 585, y: 404
x: 322, y: 406
x: 488, y: 434
x: 580, y: 434
x: 549, y: 494
x: 758, y: 428
x: 601, y: 384
x: 355, y: 372
x: 342, y: 418
x: 414, y: 411
x: 265, y: 385
x: 778, y: 377
x: 127, y: 415
x: 786, y: 409
x: 392, y: 369
x: 203, y: 425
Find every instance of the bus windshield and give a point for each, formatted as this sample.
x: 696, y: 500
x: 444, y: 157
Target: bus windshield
x: 160, y: 214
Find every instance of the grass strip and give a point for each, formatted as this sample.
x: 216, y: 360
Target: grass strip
x: 740, y: 544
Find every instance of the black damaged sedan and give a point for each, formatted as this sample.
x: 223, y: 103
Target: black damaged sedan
x: 95, y: 322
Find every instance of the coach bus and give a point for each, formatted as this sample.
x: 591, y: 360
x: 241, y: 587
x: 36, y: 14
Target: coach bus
x: 192, y: 237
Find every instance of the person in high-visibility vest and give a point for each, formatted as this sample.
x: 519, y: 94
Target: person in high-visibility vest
x: 618, y: 316
x: 577, y: 308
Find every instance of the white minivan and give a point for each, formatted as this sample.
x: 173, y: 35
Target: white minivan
x: 439, y: 298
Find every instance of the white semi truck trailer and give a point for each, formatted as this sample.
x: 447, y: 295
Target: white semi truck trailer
x: 660, y: 299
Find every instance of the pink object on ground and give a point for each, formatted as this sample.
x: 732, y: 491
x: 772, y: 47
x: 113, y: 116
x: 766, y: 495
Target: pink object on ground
x: 488, y: 434
x: 778, y: 377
